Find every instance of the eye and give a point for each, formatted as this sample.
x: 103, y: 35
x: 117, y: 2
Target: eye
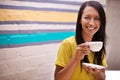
x: 97, y: 18
x: 87, y: 17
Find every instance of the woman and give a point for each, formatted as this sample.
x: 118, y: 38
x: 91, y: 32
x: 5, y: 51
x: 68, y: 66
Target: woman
x: 73, y: 51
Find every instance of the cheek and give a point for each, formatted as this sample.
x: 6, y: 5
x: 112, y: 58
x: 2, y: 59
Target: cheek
x: 84, y: 22
x: 98, y: 25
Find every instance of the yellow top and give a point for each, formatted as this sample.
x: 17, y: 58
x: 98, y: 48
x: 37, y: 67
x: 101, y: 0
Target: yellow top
x: 66, y: 52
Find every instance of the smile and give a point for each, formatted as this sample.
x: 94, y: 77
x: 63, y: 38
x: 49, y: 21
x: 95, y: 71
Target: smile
x: 91, y: 28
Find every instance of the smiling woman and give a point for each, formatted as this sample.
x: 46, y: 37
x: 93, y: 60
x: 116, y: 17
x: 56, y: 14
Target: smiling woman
x: 74, y: 51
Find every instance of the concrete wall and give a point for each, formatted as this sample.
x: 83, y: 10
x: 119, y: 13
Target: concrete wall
x: 28, y: 63
x: 113, y: 32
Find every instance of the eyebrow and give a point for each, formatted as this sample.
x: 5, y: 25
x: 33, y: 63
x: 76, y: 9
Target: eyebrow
x: 95, y: 16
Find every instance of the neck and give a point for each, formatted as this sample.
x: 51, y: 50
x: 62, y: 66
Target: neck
x: 87, y: 38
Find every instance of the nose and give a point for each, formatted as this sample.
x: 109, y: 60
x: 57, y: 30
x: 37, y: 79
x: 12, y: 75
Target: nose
x: 92, y: 22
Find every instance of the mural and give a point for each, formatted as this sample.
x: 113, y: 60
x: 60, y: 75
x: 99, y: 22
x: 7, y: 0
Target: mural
x: 29, y: 22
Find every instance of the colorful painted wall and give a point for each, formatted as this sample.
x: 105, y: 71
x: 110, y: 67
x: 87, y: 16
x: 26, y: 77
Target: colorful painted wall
x: 28, y: 22
x: 30, y: 34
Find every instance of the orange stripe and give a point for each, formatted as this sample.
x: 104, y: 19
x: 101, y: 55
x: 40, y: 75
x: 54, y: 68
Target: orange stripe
x: 29, y: 15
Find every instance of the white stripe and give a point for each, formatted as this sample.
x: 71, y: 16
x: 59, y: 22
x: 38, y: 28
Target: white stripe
x: 101, y: 1
x: 35, y: 27
x: 74, y: 0
x: 40, y: 5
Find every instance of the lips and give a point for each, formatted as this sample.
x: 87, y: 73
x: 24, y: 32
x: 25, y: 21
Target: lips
x: 91, y: 28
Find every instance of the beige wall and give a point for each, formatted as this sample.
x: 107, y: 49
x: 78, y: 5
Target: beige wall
x: 28, y: 63
x: 113, y: 32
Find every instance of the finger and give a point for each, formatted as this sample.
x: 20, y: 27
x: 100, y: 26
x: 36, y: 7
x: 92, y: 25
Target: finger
x: 91, y: 70
x: 81, y: 52
x: 84, y: 49
x: 81, y: 48
x: 83, y: 45
x: 95, y: 69
x: 103, y: 69
x: 85, y: 67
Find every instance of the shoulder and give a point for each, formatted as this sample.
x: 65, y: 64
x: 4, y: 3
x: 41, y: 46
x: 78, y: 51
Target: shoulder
x: 69, y: 41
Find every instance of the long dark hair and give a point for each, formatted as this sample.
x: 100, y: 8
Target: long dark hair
x: 100, y: 35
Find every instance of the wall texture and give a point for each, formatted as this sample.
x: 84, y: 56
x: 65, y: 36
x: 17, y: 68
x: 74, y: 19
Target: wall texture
x: 27, y: 27
x: 113, y: 31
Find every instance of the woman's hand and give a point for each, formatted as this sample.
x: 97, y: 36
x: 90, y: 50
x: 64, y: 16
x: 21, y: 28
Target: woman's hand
x: 82, y: 50
x: 99, y: 74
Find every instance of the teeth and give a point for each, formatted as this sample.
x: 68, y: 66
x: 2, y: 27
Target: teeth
x: 91, y: 28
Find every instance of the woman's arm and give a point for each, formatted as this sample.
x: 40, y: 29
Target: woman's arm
x: 65, y: 73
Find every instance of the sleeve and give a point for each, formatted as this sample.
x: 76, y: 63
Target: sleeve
x: 64, y: 54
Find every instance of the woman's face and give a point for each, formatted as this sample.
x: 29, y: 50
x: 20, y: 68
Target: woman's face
x: 90, y: 21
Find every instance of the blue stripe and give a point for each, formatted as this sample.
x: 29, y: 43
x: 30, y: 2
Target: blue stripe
x: 36, y: 9
x: 41, y: 37
x: 35, y: 22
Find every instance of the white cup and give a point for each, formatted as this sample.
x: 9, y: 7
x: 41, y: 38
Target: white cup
x: 95, y: 46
